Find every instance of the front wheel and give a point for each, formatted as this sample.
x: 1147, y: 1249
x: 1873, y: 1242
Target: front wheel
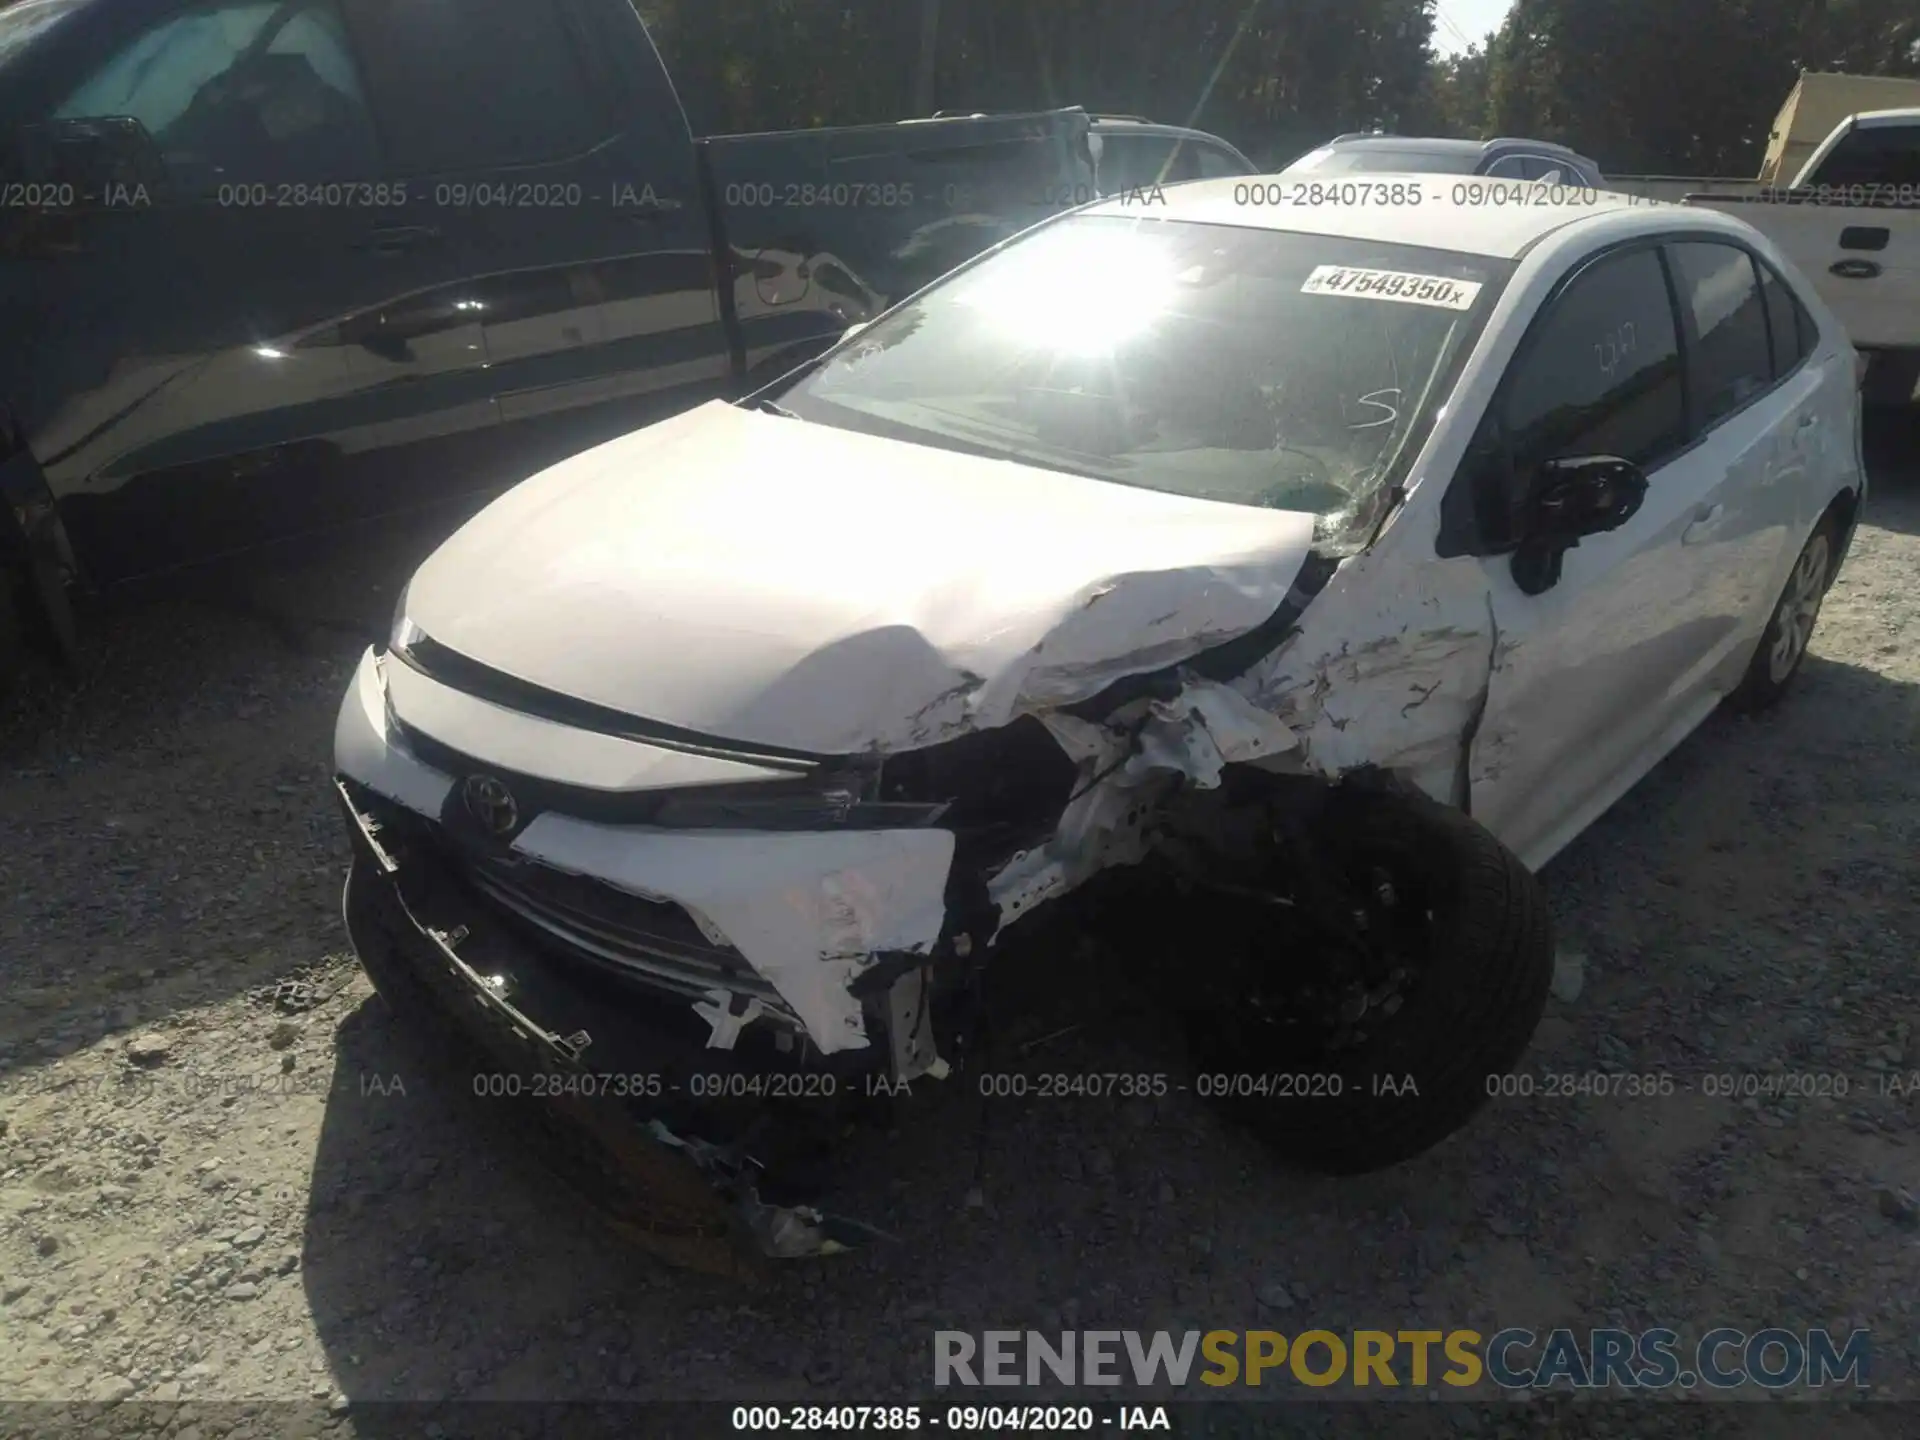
x: 1367, y: 1033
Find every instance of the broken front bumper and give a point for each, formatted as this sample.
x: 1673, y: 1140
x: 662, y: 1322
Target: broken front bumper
x: 822, y: 936
x: 665, y: 1037
x: 659, y: 1133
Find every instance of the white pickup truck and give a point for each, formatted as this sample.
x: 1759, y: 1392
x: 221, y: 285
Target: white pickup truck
x: 1851, y: 221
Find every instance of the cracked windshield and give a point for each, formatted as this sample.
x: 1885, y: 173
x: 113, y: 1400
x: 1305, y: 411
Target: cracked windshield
x: 1249, y: 366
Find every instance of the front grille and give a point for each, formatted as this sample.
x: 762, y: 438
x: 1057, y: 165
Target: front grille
x: 651, y: 942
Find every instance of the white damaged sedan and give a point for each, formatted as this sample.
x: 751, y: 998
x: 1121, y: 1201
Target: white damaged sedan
x: 1325, y: 568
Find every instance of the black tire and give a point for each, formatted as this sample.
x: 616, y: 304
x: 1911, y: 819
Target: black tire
x: 1771, y: 671
x: 1465, y: 1017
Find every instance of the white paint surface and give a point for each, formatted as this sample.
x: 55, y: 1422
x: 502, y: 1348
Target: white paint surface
x: 793, y: 585
x: 809, y: 911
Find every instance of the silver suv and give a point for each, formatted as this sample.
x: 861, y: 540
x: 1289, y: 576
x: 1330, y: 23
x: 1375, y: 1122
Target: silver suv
x: 1507, y: 158
x: 1131, y: 153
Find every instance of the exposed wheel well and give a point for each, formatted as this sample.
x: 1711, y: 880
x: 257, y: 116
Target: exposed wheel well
x: 1843, y: 509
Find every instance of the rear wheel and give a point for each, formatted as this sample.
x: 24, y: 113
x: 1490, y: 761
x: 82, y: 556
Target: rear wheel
x: 1789, y: 631
x: 1382, y: 1009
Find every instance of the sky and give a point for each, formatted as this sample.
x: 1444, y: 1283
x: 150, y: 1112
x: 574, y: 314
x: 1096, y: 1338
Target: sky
x: 1461, y: 23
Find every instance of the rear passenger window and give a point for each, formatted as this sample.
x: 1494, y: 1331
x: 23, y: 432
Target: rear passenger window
x: 1784, y: 324
x: 1729, y: 360
x: 475, y: 84
x: 1600, y: 373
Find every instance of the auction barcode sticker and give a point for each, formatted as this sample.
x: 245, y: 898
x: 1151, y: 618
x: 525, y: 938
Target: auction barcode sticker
x: 1401, y: 285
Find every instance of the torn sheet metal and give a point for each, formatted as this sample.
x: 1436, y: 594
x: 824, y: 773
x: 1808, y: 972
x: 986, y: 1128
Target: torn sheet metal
x: 1389, y: 667
x: 1123, y: 775
x: 717, y: 1010
x: 810, y: 912
x: 910, y: 1028
x: 1206, y: 728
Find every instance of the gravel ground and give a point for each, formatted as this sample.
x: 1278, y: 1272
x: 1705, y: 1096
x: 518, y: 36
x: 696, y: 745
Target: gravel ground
x: 205, y: 1197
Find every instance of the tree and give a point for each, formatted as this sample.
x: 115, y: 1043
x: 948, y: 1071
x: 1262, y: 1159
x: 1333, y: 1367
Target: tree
x: 1457, y: 102
x: 1650, y: 85
x: 1272, y: 75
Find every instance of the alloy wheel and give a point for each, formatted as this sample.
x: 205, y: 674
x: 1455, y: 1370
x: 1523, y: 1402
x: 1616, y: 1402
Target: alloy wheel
x: 1799, y: 608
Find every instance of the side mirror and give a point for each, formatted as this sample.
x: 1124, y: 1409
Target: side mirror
x: 93, y: 155
x: 1567, y: 501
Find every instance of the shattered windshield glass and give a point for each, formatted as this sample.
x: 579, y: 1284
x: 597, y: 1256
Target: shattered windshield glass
x: 1257, y: 367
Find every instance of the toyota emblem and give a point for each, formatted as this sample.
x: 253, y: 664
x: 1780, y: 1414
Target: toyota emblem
x: 491, y: 804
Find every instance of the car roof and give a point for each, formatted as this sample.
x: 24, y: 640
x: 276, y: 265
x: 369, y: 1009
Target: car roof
x: 1872, y: 119
x: 1432, y: 144
x: 1503, y: 231
x: 1134, y: 125
x: 1447, y: 145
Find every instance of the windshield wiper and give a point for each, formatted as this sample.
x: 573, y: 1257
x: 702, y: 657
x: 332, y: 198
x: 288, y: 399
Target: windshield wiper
x: 774, y: 408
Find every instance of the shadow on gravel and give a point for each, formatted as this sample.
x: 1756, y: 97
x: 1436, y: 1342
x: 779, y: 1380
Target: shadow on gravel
x: 440, y: 1263
x: 173, y: 797
x: 1890, y: 441
x: 152, y: 659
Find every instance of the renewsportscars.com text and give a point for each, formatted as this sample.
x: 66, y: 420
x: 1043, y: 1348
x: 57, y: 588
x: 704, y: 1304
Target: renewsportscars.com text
x: 1513, y: 1359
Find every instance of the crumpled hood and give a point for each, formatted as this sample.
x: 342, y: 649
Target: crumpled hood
x: 772, y: 581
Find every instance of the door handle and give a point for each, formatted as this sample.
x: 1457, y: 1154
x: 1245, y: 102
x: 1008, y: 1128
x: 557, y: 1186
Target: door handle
x: 1706, y: 520
x: 398, y: 239
x: 1851, y: 269
x: 1807, y: 422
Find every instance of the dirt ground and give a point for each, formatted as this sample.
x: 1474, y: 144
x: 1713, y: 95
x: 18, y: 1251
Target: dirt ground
x: 206, y: 1195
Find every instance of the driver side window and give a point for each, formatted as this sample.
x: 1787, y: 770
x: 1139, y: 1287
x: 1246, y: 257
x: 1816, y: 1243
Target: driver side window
x: 1598, y: 374
x: 251, y: 91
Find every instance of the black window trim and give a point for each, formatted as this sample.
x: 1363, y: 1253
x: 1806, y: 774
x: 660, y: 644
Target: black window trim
x: 1500, y: 157
x: 1459, y: 525
x: 1460, y: 532
x: 1806, y: 337
x: 1696, y: 431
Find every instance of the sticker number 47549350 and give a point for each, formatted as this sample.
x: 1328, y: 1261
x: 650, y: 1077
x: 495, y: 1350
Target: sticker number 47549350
x: 1402, y: 285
